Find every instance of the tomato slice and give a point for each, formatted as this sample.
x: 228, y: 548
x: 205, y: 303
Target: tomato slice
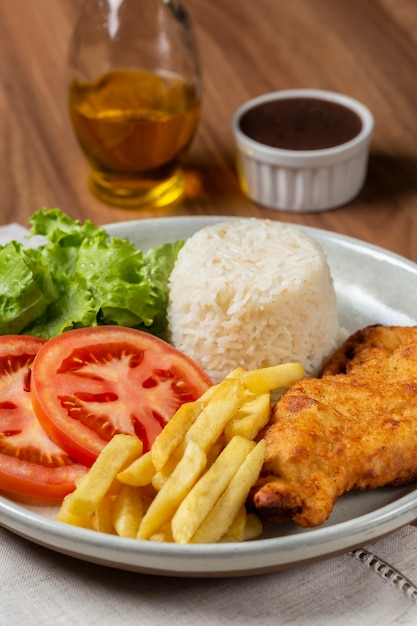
x: 89, y: 384
x: 30, y: 463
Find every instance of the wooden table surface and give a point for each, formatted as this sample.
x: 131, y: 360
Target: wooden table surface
x: 364, y: 48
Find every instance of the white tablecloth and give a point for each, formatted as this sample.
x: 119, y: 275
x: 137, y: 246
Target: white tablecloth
x: 43, y: 588
x: 40, y: 587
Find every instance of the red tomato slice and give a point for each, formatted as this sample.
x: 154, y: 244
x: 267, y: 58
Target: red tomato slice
x: 89, y: 384
x: 30, y: 463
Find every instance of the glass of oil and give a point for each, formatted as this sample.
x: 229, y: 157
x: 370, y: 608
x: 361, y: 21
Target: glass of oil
x: 135, y: 98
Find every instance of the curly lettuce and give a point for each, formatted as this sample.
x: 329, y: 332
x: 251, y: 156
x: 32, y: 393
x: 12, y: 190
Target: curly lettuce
x: 79, y: 276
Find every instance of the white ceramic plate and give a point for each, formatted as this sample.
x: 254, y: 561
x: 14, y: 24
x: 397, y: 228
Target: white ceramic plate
x: 372, y: 285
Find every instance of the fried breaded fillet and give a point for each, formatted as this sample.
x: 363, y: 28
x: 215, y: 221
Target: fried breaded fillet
x: 354, y: 428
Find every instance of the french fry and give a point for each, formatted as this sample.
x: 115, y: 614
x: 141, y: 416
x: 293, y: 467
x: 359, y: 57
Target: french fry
x: 139, y: 473
x: 269, y: 378
x: 102, y: 516
x: 98, y: 481
x: 253, y: 527
x: 215, y: 450
x: 182, y: 479
x: 148, y: 495
x: 164, y: 535
x: 238, y: 372
x: 200, y: 500
x: 64, y: 515
x: 127, y: 511
x: 244, y: 527
x: 252, y: 416
x: 159, y: 479
x: 224, y: 402
x: 233, y: 498
x: 174, y: 432
x: 236, y: 530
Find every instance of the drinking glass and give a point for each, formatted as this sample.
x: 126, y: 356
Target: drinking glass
x: 134, y: 98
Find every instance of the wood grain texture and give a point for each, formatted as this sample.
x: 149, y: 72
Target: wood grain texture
x: 364, y: 48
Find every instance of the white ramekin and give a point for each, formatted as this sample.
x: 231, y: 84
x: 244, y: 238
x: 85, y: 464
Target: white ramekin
x: 303, y: 180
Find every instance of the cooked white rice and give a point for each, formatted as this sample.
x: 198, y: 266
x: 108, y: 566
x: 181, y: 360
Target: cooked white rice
x: 252, y: 293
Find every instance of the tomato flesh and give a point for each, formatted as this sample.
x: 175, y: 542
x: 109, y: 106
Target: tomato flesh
x: 89, y: 384
x: 31, y: 464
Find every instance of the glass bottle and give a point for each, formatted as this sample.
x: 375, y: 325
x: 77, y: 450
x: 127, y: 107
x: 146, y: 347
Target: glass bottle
x: 134, y: 98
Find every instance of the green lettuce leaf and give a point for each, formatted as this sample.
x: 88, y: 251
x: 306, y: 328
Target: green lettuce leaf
x: 75, y: 308
x: 79, y: 276
x: 26, y: 289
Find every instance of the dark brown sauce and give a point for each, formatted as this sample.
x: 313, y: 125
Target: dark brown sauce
x: 301, y: 124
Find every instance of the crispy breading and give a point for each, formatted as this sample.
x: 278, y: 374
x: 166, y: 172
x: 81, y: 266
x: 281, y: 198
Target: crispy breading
x: 354, y: 428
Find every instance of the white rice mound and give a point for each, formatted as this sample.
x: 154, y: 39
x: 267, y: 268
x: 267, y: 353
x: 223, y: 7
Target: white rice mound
x: 253, y: 293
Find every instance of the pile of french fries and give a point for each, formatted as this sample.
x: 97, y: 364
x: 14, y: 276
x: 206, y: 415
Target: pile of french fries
x: 191, y: 487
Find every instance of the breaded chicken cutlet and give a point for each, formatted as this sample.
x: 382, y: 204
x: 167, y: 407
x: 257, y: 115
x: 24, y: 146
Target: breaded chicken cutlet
x: 353, y: 428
